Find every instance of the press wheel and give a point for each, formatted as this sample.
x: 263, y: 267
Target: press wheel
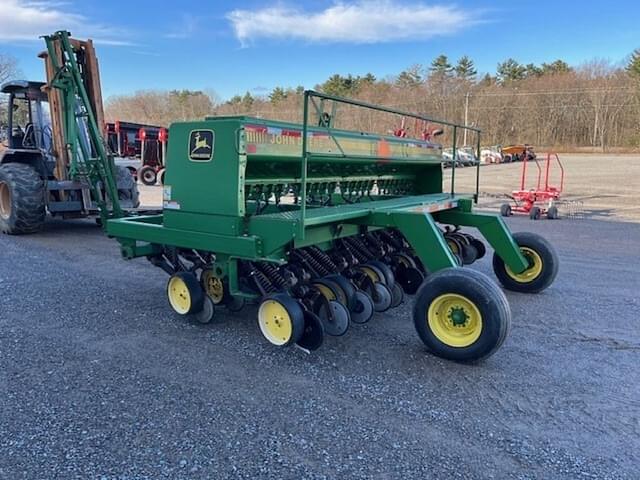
x: 281, y: 319
x: 184, y: 293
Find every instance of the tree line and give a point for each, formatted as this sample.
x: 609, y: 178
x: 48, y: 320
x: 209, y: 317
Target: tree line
x: 554, y: 104
x: 595, y: 104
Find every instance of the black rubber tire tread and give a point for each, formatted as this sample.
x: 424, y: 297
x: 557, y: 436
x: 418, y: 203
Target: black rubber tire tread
x: 469, y: 254
x: 295, y: 311
x: 534, y: 213
x: 143, y: 171
x: 552, y: 213
x: 505, y: 210
x: 195, y: 290
x: 27, y: 199
x: 480, y: 247
x: 550, y: 264
x: 127, y: 186
x: 490, y: 300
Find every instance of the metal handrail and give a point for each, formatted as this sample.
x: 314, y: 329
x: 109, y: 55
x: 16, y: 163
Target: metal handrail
x: 310, y: 94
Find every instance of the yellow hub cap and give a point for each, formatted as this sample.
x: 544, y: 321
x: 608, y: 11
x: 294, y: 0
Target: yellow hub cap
x: 179, y: 295
x: 454, y: 320
x: 453, y: 246
x: 213, y: 287
x: 5, y: 201
x: 531, y: 273
x: 325, y: 291
x: 371, y: 274
x: 275, y: 322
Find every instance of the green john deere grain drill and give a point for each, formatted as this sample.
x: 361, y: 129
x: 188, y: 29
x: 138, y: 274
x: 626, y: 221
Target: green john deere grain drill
x: 323, y: 226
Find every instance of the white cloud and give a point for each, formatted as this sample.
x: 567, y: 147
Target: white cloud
x: 361, y: 21
x: 27, y: 20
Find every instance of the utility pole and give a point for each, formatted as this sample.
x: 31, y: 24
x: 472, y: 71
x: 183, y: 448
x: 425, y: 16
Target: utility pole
x: 466, y: 118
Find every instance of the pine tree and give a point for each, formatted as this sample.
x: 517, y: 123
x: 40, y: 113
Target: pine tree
x: 441, y: 66
x: 532, y: 70
x: 465, y: 69
x: 247, y: 100
x: 410, y: 77
x: 557, y: 67
x: 510, y: 71
x: 278, y: 94
x: 633, y: 67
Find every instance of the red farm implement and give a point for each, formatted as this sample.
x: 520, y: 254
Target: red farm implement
x: 540, y: 200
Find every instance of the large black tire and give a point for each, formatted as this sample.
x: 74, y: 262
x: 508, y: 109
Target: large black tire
x: 543, y: 265
x: 127, y: 187
x: 461, y: 315
x: 22, y: 199
x: 535, y: 213
x: 147, y: 175
x: 505, y: 210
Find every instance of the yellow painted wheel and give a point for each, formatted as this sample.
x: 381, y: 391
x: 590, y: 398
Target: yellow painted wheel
x: 454, y: 320
x: 534, y: 270
x: 372, y: 274
x: 453, y: 246
x: 281, y: 320
x: 179, y: 296
x: 325, y: 291
x: 184, y: 293
x: 543, y: 265
x: 213, y: 287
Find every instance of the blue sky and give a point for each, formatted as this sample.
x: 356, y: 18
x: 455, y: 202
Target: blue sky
x: 256, y: 45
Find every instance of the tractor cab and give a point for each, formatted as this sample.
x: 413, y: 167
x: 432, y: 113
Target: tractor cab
x: 28, y: 124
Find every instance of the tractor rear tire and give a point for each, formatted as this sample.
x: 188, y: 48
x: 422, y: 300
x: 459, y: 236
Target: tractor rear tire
x: 543, y: 265
x: 22, y: 199
x: 461, y: 315
x: 127, y: 186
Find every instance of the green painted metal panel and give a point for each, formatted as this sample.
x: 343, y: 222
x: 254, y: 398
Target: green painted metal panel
x: 494, y: 230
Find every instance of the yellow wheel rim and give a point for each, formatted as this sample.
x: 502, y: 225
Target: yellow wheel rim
x: 453, y: 246
x: 213, y: 287
x: 5, y: 201
x: 179, y: 295
x: 275, y: 322
x: 325, y: 291
x: 454, y: 320
x: 371, y: 274
x: 531, y: 273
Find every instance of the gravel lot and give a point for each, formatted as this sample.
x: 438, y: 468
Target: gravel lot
x: 99, y: 379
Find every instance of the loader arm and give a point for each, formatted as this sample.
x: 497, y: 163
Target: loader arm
x: 89, y: 159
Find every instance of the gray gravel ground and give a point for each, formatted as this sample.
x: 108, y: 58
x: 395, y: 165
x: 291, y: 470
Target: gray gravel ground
x: 98, y: 379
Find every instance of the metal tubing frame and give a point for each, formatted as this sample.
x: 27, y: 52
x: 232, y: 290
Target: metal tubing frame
x: 69, y: 80
x: 304, y: 160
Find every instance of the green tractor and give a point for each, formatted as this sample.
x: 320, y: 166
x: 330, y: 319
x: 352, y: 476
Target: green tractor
x: 33, y: 179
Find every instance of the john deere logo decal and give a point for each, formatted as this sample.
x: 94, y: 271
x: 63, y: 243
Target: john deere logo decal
x: 201, y: 145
